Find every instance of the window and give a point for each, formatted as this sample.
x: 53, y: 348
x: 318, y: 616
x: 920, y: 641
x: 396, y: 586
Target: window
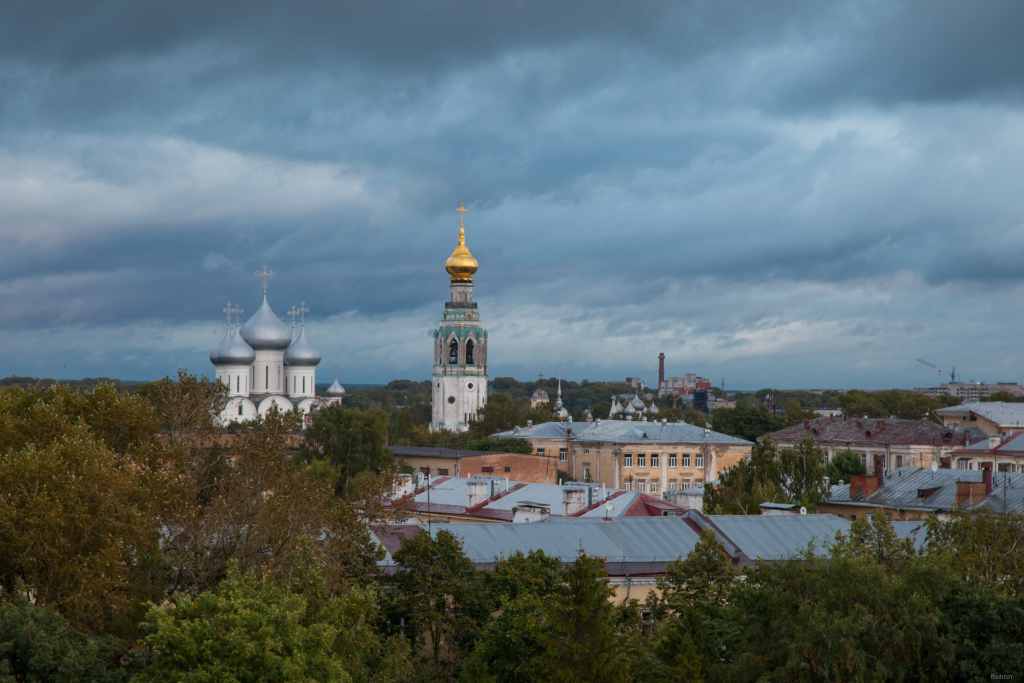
x: 453, y: 352
x: 563, y: 455
x: 686, y: 459
x: 899, y: 461
x: 641, y: 486
x: 238, y: 383
x: 451, y: 399
x: 673, y: 461
x: 586, y: 474
x: 684, y: 483
x: 641, y: 460
x: 507, y: 469
x: 425, y: 470
x: 627, y: 461
x: 294, y: 380
x: 699, y: 461
x: 853, y: 518
x: 441, y: 472
x: 266, y: 378
x: 655, y: 460
x: 864, y: 459
x: 655, y: 485
x: 239, y: 408
x: 963, y: 464
x: 672, y: 484
x: 586, y: 452
x: 540, y: 452
x: 469, y: 352
x: 628, y: 486
x: 487, y: 470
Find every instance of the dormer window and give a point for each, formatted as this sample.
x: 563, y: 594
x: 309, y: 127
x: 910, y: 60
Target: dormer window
x: 453, y: 352
x: 469, y: 352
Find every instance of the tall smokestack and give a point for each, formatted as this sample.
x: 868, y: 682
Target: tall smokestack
x: 661, y: 370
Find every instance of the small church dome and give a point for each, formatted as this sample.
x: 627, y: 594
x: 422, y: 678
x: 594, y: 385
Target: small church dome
x: 540, y: 395
x: 637, y: 403
x: 301, y: 352
x: 654, y: 409
x: 265, y: 332
x: 236, y: 352
x: 215, y: 354
x: 335, y: 389
x: 461, y: 265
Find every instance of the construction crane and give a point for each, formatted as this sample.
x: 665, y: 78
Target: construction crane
x: 951, y: 373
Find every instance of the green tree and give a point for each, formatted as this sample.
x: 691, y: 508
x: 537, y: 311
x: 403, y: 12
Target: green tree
x: 438, y: 587
x: 742, y: 489
x: 803, y: 473
x: 534, y: 573
x: 400, y: 431
x: 982, y: 548
x: 582, y: 646
x: 38, y: 645
x: 1004, y: 396
x: 706, y: 575
x: 695, y: 417
x: 745, y: 422
x: 258, y: 630
x: 351, y: 440
x: 874, y: 538
x: 795, y: 413
x: 843, y: 466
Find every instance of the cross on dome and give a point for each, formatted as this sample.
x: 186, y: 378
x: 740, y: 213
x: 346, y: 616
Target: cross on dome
x: 303, y: 311
x: 227, y: 309
x: 264, y: 275
x: 294, y: 312
x: 237, y: 310
x: 462, y: 212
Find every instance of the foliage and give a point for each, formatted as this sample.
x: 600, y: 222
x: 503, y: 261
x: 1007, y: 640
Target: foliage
x: 802, y: 470
x: 843, y: 466
x: 1003, y: 396
x: 581, y: 646
x: 795, y: 413
x: 904, y: 405
x: 694, y: 417
x: 745, y: 422
x: 794, y: 475
x: 982, y: 549
x: 437, y: 587
x: 706, y: 575
x: 259, y: 630
x: 351, y: 440
x: 37, y: 644
x: 520, y: 574
x: 875, y: 539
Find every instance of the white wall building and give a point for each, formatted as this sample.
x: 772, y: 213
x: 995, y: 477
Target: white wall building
x: 460, y: 348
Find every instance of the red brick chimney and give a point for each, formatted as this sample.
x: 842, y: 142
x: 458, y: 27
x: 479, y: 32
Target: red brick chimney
x: 879, y: 476
x: 986, y: 476
x: 944, y: 463
x: 856, y: 485
x: 661, y: 369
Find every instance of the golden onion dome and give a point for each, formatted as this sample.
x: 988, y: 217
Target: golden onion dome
x: 461, y: 265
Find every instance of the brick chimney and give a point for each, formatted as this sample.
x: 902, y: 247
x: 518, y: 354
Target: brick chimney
x: 856, y: 485
x: 879, y: 476
x: 986, y: 476
x: 661, y: 370
x: 944, y: 463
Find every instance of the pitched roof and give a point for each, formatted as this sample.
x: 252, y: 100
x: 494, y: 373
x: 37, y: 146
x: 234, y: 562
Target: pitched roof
x: 1010, y: 446
x: 433, y: 452
x: 636, y: 545
x: 621, y: 431
x: 863, y: 430
x: 918, y: 488
x: 1003, y: 414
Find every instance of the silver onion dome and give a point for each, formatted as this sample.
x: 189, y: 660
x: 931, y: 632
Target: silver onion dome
x: 335, y: 389
x: 236, y: 352
x: 301, y: 352
x: 215, y: 354
x: 654, y: 409
x: 637, y: 403
x: 264, y: 331
x: 630, y: 410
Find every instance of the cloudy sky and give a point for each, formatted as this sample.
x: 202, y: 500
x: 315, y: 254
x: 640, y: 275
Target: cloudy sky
x: 789, y: 194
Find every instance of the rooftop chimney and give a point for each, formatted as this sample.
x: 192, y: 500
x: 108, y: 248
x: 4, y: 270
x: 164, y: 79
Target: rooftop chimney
x: 986, y: 476
x: 476, y: 492
x: 994, y: 440
x: 661, y: 370
x: 878, y: 471
x: 944, y: 463
x: 572, y: 501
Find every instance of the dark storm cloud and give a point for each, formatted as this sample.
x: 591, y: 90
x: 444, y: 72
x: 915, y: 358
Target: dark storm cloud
x: 744, y: 180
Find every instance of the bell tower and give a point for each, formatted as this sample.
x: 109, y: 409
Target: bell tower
x: 459, y: 388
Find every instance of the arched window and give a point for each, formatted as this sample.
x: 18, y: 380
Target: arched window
x: 453, y: 352
x: 469, y: 352
x: 239, y: 408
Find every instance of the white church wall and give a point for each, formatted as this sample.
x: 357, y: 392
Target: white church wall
x: 269, y: 371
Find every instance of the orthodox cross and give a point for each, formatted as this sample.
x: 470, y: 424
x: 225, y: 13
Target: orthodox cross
x: 540, y: 377
x: 264, y: 275
x: 237, y: 310
x: 294, y: 312
x: 462, y: 212
x: 229, y: 311
x: 303, y: 311
x: 335, y: 373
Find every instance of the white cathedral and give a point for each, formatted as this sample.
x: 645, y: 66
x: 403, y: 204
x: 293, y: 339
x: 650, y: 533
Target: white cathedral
x: 265, y: 365
x: 460, y: 348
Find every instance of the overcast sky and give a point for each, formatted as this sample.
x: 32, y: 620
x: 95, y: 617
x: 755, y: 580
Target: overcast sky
x: 787, y: 194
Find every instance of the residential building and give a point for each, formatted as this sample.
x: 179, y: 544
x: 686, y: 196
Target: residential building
x: 453, y: 500
x: 687, y: 384
x: 1005, y: 453
x: 915, y: 493
x: 444, y: 462
x: 650, y: 457
x: 636, y: 549
x: 913, y: 443
x: 971, y: 391
x: 987, y: 417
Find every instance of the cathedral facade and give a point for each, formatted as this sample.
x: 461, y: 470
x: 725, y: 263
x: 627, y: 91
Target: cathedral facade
x: 460, y: 348
x: 265, y: 365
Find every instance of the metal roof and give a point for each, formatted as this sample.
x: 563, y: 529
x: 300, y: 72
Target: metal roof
x: 433, y: 452
x: 905, y: 488
x: 914, y: 530
x: 863, y: 430
x: 621, y: 431
x: 1003, y: 414
x: 636, y: 545
x: 1010, y: 446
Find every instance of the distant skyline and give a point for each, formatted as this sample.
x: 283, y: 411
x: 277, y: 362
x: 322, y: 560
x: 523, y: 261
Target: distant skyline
x: 792, y: 194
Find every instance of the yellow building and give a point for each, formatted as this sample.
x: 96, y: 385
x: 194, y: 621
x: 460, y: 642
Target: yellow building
x: 650, y: 457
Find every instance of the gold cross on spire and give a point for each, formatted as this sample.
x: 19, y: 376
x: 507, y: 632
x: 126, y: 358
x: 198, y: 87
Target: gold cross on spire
x: 264, y: 275
x: 462, y: 212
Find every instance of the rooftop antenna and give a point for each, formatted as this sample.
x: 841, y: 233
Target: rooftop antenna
x: 265, y: 275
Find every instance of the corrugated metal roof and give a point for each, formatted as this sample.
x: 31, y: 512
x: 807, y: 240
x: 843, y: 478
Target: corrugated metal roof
x: 1011, y: 446
x: 432, y: 452
x: 914, y: 530
x: 621, y: 431
x: 1003, y: 414
x: 778, y: 537
x: 903, y: 489
x: 874, y: 431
